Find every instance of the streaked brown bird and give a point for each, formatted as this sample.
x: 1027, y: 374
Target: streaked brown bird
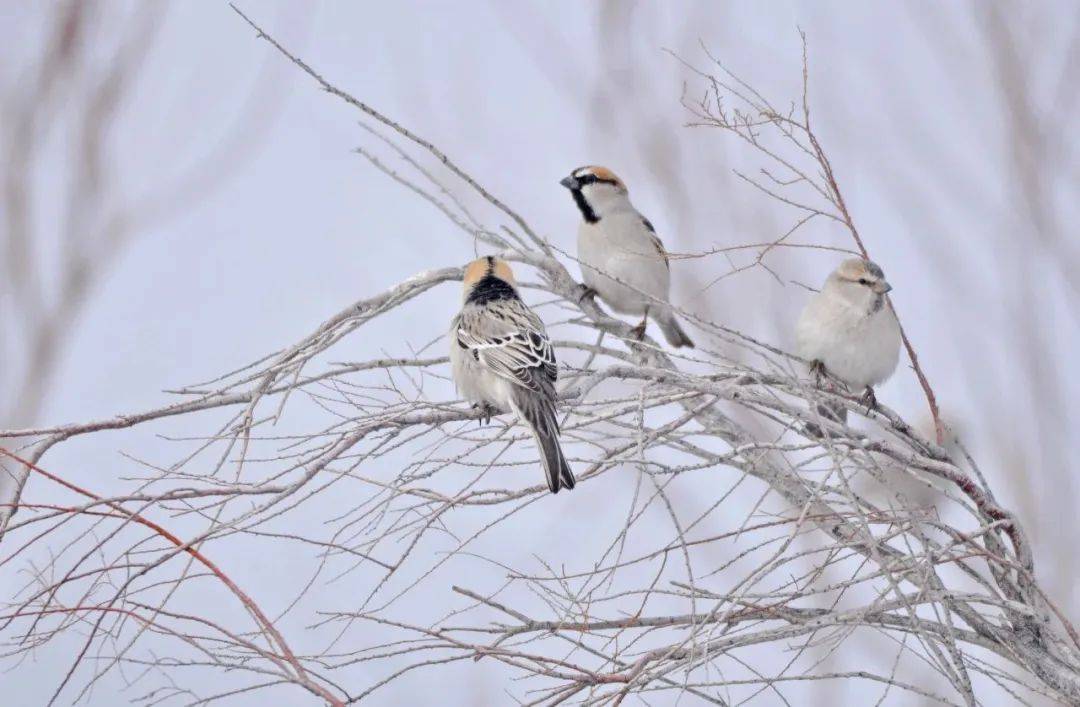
x: 502, y: 360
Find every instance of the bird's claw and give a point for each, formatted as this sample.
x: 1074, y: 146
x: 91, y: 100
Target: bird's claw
x: 868, y: 399
x: 638, y: 332
x: 587, y: 293
x: 817, y: 371
x: 486, y: 410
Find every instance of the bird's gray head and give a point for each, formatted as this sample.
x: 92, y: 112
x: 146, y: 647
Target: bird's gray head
x: 596, y: 191
x: 859, y: 282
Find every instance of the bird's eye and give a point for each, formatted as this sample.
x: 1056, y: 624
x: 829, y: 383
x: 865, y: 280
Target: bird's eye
x: 863, y: 281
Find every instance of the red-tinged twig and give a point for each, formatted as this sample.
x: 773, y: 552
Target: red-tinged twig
x: 300, y: 674
x: 841, y: 205
x: 830, y: 178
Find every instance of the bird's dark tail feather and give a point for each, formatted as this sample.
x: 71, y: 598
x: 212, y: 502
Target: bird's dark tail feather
x: 539, y: 416
x: 674, y: 333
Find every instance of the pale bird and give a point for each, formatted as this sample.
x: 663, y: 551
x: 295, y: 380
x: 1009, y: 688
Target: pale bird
x: 622, y: 259
x: 849, y: 330
x: 502, y: 361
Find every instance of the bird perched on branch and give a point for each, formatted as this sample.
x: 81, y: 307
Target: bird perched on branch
x: 502, y: 360
x: 850, y: 331
x: 622, y: 259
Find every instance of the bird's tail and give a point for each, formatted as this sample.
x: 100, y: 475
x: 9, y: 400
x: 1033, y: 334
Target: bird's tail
x: 538, y: 414
x: 673, y: 331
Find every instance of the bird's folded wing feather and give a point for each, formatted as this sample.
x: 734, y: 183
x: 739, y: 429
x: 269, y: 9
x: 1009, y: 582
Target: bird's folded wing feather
x: 657, y: 243
x: 511, y: 343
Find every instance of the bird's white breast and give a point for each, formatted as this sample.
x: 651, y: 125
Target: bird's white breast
x: 621, y: 246
x: 860, y: 349
x: 475, y: 382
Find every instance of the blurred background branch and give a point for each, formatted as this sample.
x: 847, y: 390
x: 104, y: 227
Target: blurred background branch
x: 69, y: 209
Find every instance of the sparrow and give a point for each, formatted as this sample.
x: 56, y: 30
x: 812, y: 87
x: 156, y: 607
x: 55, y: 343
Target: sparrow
x: 849, y: 330
x: 622, y: 259
x: 502, y: 360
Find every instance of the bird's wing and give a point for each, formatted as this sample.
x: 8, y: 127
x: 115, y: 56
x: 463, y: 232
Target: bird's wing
x: 509, y: 339
x: 657, y: 242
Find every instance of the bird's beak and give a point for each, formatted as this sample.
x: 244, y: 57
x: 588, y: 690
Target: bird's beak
x: 882, y: 287
x: 570, y: 182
